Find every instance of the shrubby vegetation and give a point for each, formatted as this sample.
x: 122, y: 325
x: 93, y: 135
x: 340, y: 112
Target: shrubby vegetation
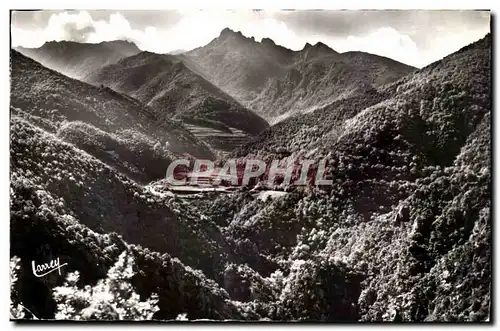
x: 16, y: 308
x: 131, y: 152
x: 112, y: 298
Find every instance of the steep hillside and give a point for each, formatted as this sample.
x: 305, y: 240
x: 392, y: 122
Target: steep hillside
x: 321, y: 76
x: 67, y: 204
x: 239, y: 65
x: 378, y: 69
x: 76, y: 60
x: 115, y: 128
x: 408, y: 213
x: 323, y: 129
x: 274, y: 81
x: 164, y: 83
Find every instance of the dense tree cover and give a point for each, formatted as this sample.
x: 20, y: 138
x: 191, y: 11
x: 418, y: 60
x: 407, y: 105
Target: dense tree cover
x: 131, y: 152
x: 106, y: 200
x: 410, y: 205
x: 50, y: 96
x: 403, y: 234
x: 42, y: 228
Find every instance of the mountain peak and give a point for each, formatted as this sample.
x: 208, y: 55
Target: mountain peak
x: 319, y: 49
x: 119, y: 42
x: 226, y: 32
x: 268, y: 41
x: 306, y: 46
x: 319, y: 45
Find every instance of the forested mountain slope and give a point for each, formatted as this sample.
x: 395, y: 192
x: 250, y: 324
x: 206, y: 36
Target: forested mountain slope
x: 409, y: 208
x: 115, y: 128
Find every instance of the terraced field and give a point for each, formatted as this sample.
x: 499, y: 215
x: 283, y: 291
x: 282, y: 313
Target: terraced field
x: 220, y: 140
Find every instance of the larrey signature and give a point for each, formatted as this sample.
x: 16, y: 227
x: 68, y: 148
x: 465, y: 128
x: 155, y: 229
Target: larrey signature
x: 46, y: 268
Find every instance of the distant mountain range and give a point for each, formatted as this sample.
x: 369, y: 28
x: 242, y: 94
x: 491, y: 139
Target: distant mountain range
x: 76, y: 60
x: 274, y: 81
x: 266, y: 78
x: 166, y: 84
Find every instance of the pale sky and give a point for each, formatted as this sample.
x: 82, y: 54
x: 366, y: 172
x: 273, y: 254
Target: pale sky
x: 415, y: 37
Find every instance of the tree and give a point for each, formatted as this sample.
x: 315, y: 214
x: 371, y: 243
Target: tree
x: 16, y: 308
x: 112, y: 298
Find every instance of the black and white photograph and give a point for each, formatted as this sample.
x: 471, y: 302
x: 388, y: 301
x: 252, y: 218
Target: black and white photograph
x: 250, y: 165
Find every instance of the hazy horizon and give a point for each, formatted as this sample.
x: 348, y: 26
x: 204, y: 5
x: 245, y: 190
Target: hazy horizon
x: 414, y: 37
